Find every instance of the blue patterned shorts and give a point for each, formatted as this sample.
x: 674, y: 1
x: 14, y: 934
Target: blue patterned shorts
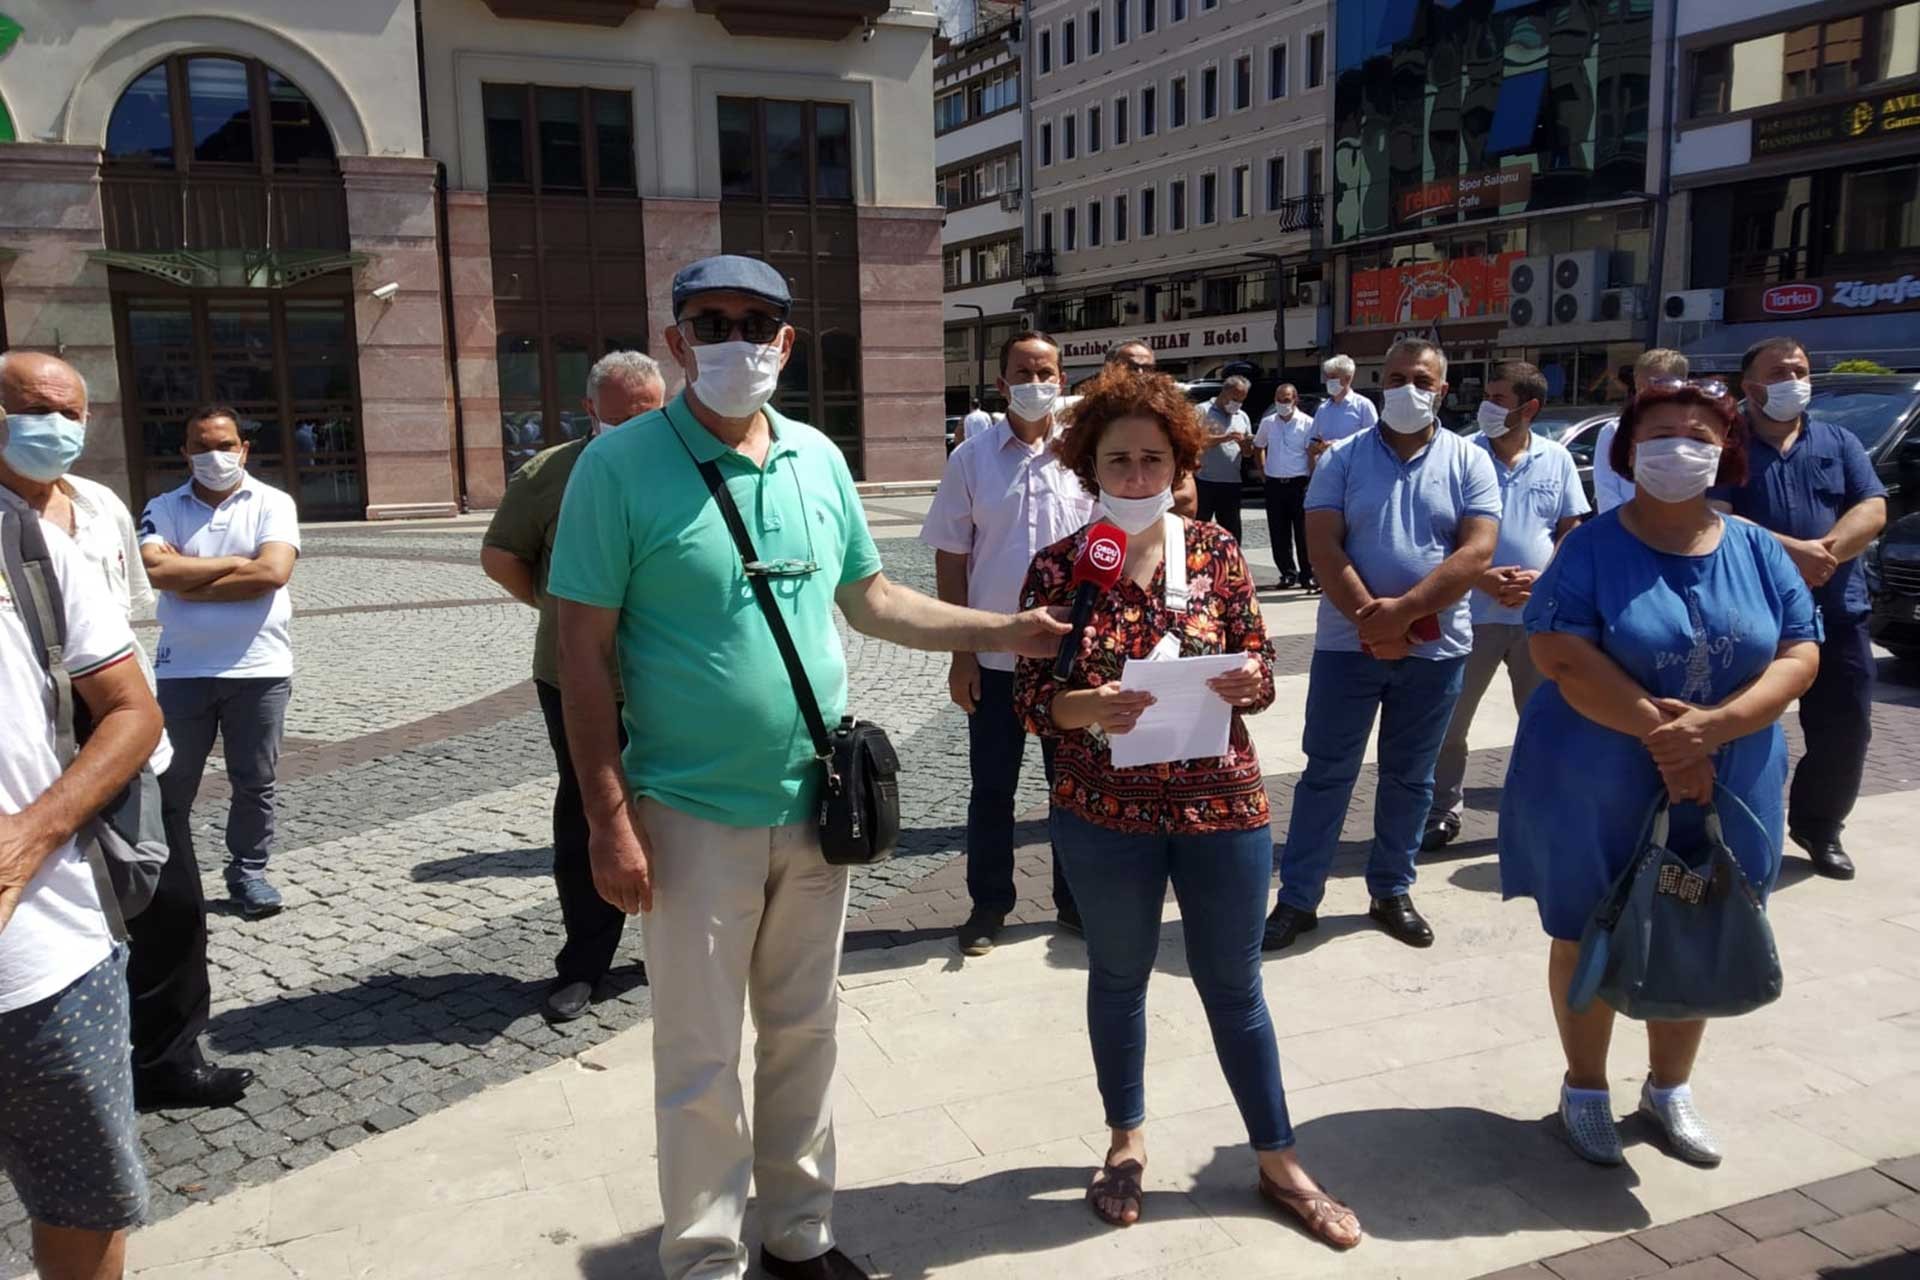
x: 69, y: 1140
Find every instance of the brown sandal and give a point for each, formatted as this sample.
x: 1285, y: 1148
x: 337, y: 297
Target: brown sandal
x: 1318, y: 1212
x: 1123, y: 1183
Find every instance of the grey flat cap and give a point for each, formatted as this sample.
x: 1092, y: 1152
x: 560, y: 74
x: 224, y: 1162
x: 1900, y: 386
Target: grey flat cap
x: 731, y: 273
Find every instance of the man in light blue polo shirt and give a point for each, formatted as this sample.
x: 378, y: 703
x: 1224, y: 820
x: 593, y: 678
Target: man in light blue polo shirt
x: 1402, y: 521
x: 1541, y: 502
x: 1345, y: 412
x: 709, y: 827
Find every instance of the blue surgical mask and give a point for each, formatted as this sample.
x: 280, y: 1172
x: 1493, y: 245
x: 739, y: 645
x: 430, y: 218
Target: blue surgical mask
x: 43, y: 446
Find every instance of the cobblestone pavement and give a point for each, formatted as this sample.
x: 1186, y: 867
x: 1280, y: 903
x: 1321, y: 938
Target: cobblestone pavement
x: 413, y: 852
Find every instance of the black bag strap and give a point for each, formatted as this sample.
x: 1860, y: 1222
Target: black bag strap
x: 763, y: 592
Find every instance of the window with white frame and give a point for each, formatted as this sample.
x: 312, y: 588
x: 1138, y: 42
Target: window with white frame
x: 1122, y: 22
x: 1277, y: 71
x: 1069, y: 136
x: 1046, y: 143
x: 1276, y: 183
x: 1094, y: 138
x: 1069, y: 45
x: 1149, y: 111
x: 1046, y: 230
x: 1070, y: 229
x: 1094, y: 209
x: 1122, y: 119
x: 1315, y: 176
x: 1316, y: 59
x: 1240, y: 197
x: 1093, y: 31
x: 1177, y: 102
x: 1149, y: 16
x: 1177, y: 10
x: 1209, y: 198
x: 1209, y: 92
x: 1120, y: 212
x: 1147, y: 212
x: 1046, y: 50
x: 1177, y: 205
x: 1242, y: 81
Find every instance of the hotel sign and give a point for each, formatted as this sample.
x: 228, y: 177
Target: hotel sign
x: 1228, y: 337
x: 1862, y: 120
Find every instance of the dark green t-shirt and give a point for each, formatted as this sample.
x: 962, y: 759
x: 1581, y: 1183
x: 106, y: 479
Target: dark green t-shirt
x: 524, y: 525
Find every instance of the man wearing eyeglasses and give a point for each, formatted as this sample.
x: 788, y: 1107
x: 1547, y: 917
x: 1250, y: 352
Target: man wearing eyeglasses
x: 707, y: 823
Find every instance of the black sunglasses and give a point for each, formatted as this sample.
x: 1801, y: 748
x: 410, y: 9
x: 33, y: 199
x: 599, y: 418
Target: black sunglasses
x: 710, y: 327
x: 1709, y: 386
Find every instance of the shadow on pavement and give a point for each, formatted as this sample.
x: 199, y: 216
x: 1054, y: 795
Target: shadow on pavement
x: 532, y: 861
x: 1411, y: 1175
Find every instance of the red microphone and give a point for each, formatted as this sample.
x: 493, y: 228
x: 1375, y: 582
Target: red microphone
x: 1095, y: 573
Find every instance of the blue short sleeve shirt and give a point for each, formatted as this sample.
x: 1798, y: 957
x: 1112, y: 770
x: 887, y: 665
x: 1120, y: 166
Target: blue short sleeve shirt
x: 1540, y: 490
x: 1403, y: 520
x: 1804, y: 492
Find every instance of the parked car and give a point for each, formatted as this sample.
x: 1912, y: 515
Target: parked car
x: 1578, y: 428
x: 1893, y: 579
x: 953, y: 431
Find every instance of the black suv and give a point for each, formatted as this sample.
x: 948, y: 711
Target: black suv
x: 1883, y: 410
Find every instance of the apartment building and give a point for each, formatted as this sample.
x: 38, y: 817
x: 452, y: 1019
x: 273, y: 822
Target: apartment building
x: 1796, y: 180
x: 979, y: 157
x: 1179, y: 158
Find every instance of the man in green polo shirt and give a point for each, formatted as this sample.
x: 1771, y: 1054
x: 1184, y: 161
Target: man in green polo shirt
x: 516, y: 553
x: 709, y: 826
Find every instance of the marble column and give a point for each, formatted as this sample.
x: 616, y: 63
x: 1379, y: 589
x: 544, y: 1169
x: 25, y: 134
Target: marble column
x: 677, y: 232
x: 406, y: 405
x: 470, y: 252
x: 56, y: 298
x: 902, y: 369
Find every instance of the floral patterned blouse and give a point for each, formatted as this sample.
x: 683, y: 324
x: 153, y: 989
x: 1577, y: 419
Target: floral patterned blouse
x: 1222, y: 616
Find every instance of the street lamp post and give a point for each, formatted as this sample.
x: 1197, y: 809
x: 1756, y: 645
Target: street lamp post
x: 980, y: 349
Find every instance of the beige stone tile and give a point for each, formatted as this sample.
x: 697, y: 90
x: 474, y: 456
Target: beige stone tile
x: 1060, y: 1240
x: 892, y: 1088
x: 963, y: 1196
x: 1867, y: 1054
x: 591, y: 1149
x: 1909, y: 921
x: 1774, y: 1078
x: 230, y: 1224
x: 533, y: 1234
x: 891, y: 964
x: 635, y: 1195
x: 1520, y: 1080
x: 247, y: 1264
x: 345, y: 1190
x: 947, y: 1034
x: 884, y: 1000
x: 870, y: 1150
x: 1012, y: 1118
x: 1878, y: 1122
x: 525, y: 1106
x: 1465, y: 979
x: 323, y: 1257
x: 1389, y: 1044
x: 631, y: 1048
x: 1196, y: 1083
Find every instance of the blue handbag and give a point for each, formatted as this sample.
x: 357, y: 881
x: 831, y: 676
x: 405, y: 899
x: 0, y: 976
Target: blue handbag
x: 1682, y: 934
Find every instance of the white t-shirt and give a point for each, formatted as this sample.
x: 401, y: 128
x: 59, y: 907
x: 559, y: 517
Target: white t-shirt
x: 58, y: 932
x: 237, y: 638
x: 1610, y: 488
x: 103, y: 531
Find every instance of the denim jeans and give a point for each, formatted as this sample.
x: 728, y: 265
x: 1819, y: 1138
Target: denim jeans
x: 996, y: 745
x: 1220, y: 879
x: 1414, y: 698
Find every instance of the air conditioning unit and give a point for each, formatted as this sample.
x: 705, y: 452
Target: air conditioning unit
x: 1624, y: 304
x: 1578, y: 281
x: 1010, y: 200
x: 1529, y: 291
x: 1309, y: 294
x: 1695, y: 305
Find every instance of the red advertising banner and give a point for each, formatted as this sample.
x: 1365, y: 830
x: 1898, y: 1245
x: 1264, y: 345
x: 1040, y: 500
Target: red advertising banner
x: 1424, y: 292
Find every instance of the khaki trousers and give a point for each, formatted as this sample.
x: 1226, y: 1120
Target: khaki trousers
x: 742, y: 919
x: 1494, y: 643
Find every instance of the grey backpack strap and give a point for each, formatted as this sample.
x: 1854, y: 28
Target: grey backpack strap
x: 42, y: 610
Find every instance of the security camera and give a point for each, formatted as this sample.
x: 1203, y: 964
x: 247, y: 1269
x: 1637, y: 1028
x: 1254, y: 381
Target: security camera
x: 388, y: 291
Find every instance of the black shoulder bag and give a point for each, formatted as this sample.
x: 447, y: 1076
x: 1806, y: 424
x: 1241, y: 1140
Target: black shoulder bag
x: 859, y: 817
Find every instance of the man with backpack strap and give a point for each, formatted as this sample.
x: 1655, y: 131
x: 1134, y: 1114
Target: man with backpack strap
x: 68, y: 1137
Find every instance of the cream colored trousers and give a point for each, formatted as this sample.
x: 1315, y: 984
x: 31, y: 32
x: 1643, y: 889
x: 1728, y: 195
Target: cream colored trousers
x: 742, y: 919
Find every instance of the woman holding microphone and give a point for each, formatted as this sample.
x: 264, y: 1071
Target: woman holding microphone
x: 1123, y: 834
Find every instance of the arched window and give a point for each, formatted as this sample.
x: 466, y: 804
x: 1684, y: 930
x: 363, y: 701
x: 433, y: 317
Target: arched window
x: 218, y: 111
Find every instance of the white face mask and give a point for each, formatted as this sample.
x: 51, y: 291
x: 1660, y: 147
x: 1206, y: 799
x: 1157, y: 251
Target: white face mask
x: 1408, y: 410
x: 219, y: 470
x: 1676, y: 469
x: 1335, y: 387
x: 736, y: 379
x: 1284, y: 410
x: 1230, y: 407
x: 1032, y: 401
x: 1136, y: 515
x: 1787, y: 400
x: 1493, y: 420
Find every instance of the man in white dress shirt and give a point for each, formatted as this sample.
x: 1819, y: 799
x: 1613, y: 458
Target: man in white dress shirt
x: 1281, y: 444
x: 1610, y: 488
x: 1004, y: 498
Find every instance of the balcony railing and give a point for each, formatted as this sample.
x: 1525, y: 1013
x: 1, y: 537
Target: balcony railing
x: 1001, y: 26
x: 1301, y: 213
x: 1039, y: 262
x: 163, y: 212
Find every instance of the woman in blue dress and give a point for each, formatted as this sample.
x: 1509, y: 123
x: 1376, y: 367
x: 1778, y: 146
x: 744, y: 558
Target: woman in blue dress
x: 1674, y: 638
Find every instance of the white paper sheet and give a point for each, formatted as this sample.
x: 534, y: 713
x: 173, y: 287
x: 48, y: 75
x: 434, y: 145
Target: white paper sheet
x: 1187, y: 721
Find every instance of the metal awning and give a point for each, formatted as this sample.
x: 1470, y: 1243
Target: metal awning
x: 1892, y: 340
x: 233, y: 268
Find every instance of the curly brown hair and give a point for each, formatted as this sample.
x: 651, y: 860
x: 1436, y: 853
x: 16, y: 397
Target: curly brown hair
x: 1116, y: 392
x: 1718, y: 410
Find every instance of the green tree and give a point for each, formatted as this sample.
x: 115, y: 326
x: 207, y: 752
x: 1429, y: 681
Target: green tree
x: 1860, y: 366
